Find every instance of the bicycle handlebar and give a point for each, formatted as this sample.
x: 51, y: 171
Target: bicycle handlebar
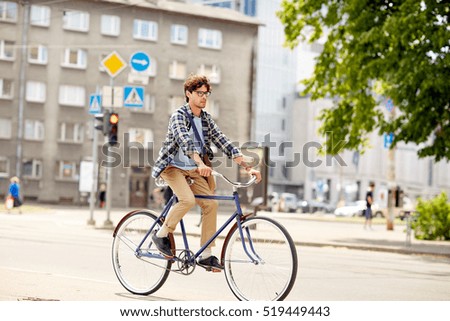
x: 235, y: 184
x: 160, y: 182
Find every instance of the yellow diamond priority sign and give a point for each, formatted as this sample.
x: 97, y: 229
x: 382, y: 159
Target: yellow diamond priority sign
x: 113, y: 64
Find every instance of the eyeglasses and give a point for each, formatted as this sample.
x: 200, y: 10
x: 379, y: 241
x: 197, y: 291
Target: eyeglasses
x: 202, y: 93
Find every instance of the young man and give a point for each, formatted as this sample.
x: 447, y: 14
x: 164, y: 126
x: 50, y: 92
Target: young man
x: 181, y: 157
x: 369, y: 202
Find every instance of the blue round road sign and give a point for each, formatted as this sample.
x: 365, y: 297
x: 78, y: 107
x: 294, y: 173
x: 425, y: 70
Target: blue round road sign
x: 140, y: 61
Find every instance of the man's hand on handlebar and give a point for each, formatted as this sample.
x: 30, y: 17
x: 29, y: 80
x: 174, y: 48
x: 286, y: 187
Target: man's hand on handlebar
x: 254, y: 172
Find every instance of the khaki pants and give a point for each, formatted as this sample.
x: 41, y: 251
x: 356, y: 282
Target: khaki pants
x: 176, y: 178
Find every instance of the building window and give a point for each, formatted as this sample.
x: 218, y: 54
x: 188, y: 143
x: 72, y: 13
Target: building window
x: 40, y: 16
x: 8, y: 11
x: 175, y: 102
x: 212, y: 107
x: 210, y: 71
x: 36, y: 91
x: 67, y: 170
x: 38, y: 54
x: 141, y: 136
x: 6, y: 50
x: 76, y: 21
x: 34, y: 130
x: 4, y: 167
x: 179, y: 34
x: 71, y: 95
x: 145, y: 30
x: 32, y: 168
x: 6, y: 88
x: 209, y: 38
x: 110, y: 25
x: 74, y: 58
x: 177, y: 70
x: 5, y: 128
x: 73, y: 133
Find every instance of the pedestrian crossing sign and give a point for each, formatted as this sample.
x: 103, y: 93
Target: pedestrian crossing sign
x: 133, y: 97
x: 95, y: 104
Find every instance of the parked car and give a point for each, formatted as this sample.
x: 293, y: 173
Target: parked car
x: 288, y: 203
x: 352, y: 209
x: 314, y: 206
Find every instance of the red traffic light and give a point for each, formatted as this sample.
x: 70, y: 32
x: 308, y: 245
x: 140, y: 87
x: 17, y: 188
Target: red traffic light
x: 113, y: 119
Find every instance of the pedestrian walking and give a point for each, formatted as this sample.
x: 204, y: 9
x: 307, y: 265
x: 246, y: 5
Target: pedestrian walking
x: 14, y: 193
x: 369, y: 202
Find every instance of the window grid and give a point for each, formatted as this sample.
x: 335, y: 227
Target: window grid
x: 4, y: 167
x: 110, y: 25
x: 179, y: 34
x: 32, y: 168
x: 73, y: 133
x: 8, y: 11
x: 40, y: 16
x: 34, y: 130
x: 5, y: 128
x: 38, y: 54
x: 7, y: 50
x: 67, y: 170
x: 177, y: 70
x: 210, y: 71
x: 209, y: 38
x: 36, y: 91
x: 71, y: 95
x: 75, y: 58
x: 141, y: 136
x: 6, y: 88
x: 76, y: 21
x: 145, y: 30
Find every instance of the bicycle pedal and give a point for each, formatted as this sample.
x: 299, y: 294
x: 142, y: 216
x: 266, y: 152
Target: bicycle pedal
x: 210, y: 269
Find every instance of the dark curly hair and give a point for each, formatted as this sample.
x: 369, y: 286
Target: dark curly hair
x: 194, y: 82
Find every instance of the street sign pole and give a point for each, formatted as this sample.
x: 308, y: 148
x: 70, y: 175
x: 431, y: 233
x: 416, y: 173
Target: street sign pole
x: 108, y: 222
x: 113, y: 65
x: 91, y: 220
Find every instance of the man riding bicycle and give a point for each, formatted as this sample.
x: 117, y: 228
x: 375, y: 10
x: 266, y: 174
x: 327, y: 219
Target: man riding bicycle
x: 183, y: 155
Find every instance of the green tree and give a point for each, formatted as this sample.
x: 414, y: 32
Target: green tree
x: 375, y: 49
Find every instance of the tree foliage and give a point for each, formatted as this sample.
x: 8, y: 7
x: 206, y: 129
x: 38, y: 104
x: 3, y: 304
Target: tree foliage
x: 375, y: 50
x: 433, y: 219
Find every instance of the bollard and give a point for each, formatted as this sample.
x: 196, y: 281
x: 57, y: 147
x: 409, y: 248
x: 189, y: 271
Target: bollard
x: 408, y: 229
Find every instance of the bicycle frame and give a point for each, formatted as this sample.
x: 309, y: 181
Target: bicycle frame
x: 238, y: 215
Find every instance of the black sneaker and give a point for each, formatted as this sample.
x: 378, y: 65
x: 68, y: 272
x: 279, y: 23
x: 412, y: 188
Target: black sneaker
x: 163, y: 245
x: 210, y: 264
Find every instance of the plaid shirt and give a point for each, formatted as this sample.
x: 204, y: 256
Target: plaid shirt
x: 178, y: 137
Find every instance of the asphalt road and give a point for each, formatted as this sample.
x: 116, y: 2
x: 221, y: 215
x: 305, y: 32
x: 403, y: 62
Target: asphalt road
x: 58, y: 257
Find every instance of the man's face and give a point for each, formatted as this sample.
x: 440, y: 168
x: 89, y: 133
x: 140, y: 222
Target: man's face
x: 198, y: 97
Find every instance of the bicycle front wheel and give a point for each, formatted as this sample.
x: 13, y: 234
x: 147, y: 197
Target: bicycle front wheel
x: 262, y: 263
x: 140, y: 272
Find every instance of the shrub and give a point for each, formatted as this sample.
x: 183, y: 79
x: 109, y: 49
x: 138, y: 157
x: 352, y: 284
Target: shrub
x: 433, y: 220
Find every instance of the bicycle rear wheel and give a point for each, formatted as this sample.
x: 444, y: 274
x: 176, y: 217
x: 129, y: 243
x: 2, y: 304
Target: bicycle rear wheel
x: 271, y: 274
x: 139, y: 274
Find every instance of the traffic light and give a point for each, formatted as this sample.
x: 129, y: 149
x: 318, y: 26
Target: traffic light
x: 113, y: 128
x: 103, y: 126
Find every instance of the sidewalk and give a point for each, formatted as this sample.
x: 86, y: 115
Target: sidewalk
x: 305, y: 229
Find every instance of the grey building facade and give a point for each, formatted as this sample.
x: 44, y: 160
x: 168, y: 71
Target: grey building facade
x: 50, y: 64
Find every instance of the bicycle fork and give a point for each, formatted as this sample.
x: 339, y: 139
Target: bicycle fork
x: 251, y: 252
